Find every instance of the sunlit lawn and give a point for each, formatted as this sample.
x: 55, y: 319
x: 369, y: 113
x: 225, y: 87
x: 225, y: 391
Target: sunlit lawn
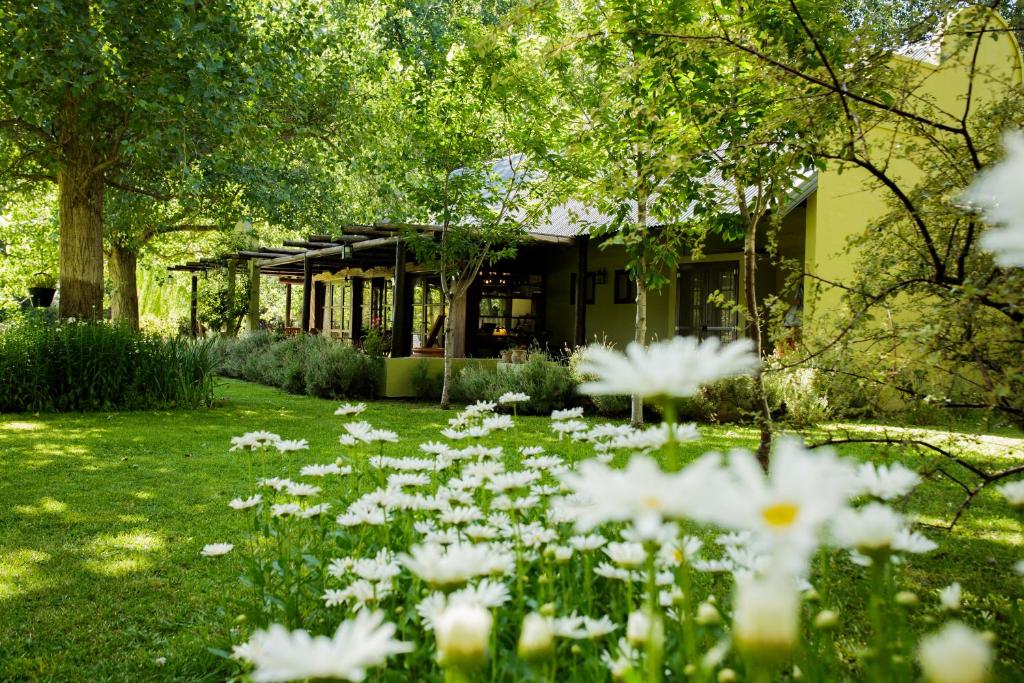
x: 102, y: 518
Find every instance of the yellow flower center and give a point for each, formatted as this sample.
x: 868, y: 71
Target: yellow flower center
x: 780, y: 515
x: 651, y: 503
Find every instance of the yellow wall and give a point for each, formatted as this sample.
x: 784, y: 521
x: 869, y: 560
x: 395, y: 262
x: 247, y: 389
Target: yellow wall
x: 605, y: 318
x: 848, y: 199
x: 398, y: 372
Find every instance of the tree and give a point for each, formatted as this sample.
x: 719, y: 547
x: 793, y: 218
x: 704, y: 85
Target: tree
x: 627, y: 150
x: 476, y: 121
x: 90, y: 87
x: 924, y: 315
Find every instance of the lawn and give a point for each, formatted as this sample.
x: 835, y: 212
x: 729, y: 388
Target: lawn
x: 102, y: 517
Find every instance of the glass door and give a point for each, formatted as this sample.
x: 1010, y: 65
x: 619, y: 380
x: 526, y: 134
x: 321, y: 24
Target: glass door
x: 699, y: 317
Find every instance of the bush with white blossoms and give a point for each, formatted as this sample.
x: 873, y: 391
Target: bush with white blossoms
x: 459, y: 559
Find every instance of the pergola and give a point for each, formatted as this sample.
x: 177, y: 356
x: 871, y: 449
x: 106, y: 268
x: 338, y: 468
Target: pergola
x: 360, y: 248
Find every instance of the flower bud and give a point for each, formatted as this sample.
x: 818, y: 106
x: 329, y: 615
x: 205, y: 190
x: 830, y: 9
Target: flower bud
x: 689, y: 670
x: 642, y: 626
x: 462, y: 632
x: 766, y: 618
x: 727, y: 676
x: 826, y: 620
x: 548, y: 609
x: 536, y: 640
x: 906, y: 599
x: 707, y: 614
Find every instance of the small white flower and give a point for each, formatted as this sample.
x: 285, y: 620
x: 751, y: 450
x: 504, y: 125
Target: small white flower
x: 513, y: 397
x: 285, y: 509
x: 950, y: 597
x: 303, y: 490
x: 216, y: 549
x: 567, y: 414
x: 956, y: 654
x: 254, y: 440
x: 290, y: 445
x: 1014, y: 493
x: 886, y: 482
x: 324, y: 470
x: 997, y: 192
x: 244, y: 504
x: 276, y: 483
x: 350, y: 409
x: 628, y: 555
x: 869, y: 530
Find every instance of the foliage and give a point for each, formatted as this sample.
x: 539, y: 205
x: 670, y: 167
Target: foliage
x: 96, y: 366
x: 303, y: 364
x: 550, y: 386
x: 426, y: 385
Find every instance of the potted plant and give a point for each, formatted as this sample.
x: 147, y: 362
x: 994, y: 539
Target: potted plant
x: 42, y: 287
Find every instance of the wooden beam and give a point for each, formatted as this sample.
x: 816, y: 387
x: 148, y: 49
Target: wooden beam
x: 379, y: 242
x: 580, y: 332
x: 307, y: 292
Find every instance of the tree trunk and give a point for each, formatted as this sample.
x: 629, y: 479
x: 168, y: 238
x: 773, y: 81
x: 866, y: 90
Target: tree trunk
x: 449, y: 349
x: 636, y: 412
x: 124, y: 294
x: 80, y: 198
x: 764, y: 415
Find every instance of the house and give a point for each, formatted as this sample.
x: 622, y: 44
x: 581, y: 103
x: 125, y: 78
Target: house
x: 564, y: 289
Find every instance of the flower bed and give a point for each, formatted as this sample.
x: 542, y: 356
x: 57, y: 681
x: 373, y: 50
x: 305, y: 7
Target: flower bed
x: 464, y: 561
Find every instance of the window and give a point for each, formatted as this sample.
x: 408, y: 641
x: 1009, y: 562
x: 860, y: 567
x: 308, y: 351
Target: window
x: 428, y: 308
x: 625, y: 287
x: 591, y: 286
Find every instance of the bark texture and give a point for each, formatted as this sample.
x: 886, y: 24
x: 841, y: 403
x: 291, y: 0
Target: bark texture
x: 124, y: 293
x: 80, y: 200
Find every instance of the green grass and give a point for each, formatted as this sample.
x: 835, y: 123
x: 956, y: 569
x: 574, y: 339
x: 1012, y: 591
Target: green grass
x: 102, y: 517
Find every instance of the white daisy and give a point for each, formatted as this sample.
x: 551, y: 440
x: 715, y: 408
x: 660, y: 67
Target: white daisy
x: 216, y: 549
x: 350, y: 409
x: 667, y: 369
x: 251, y: 501
x: 996, y: 191
x: 278, y: 654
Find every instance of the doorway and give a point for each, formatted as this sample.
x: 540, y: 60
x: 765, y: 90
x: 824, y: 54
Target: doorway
x: 696, y: 316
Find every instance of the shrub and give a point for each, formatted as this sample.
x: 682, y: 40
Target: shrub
x: 333, y: 370
x: 304, y: 364
x: 426, y: 385
x: 803, y: 403
x: 98, y: 366
x: 550, y: 385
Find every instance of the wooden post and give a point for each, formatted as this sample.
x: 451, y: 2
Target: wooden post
x: 254, y: 296
x: 401, y: 318
x: 288, y: 304
x: 357, y: 310
x: 193, y: 327
x: 307, y: 291
x: 319, y: 306
x: 580, y: 334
